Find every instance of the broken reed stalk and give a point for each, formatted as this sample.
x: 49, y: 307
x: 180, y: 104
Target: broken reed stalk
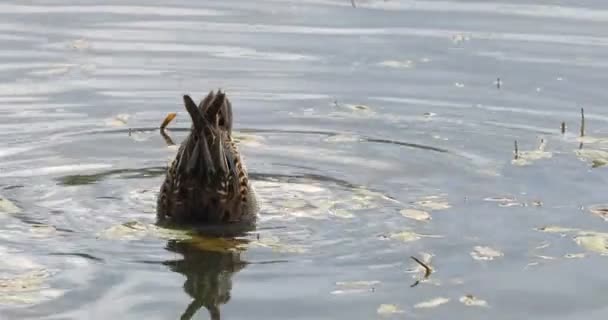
x: 582, y: 122
x: 427, y: 271
x: 516, y: 151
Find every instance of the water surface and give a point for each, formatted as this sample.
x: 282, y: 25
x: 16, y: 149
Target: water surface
x: 372, y: 134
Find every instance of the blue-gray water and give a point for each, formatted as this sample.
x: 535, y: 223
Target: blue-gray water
x: 348, y: 120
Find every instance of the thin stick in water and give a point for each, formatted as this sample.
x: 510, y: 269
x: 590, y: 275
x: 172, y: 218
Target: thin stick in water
x: 563, y: 127
x: 582, y: 122
x: 427, y: 271
x: 516, y: 151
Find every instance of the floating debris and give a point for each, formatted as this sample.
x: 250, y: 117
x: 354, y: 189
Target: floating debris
x: 600, y: 211
x: 598, y: 158
x: 406, y: 64
x: 135, y: 230
x: 425, y: 265
x: 415, y: 214
x: 460, y: 38
x: 556, y: 229
x: 27, y: 288
x: 388, y: 309
x: 433, y: 303
x: 276, y: 245
x: 471, y: 301
x: 405, y: 236
x: 545, y: 257
x: 595, y: 242
x: 8, y: 207
x: 433, y: 203
x: 118, y: 121
x: 524, y: 158
x: 80, y: 44
x: 574, y: 255
x: 218, y: 244
x: 409, y: 236
x: 355, y: 287
x: 167, y: 120
x: 485, y: 253
x: 43, y: 230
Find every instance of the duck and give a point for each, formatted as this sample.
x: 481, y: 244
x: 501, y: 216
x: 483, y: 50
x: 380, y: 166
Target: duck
x: 207, y: 182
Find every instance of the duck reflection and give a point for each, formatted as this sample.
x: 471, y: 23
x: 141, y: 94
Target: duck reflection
x: 208, y: 264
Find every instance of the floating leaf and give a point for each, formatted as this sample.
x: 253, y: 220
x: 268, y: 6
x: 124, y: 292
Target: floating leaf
x: 388, y: 309
x: 415, y: 214
x: 433, y: 303
x: 485, y: 253
x: 471, y: 301
x: 6, y: 206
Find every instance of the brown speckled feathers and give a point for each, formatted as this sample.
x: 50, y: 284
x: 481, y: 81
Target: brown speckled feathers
x: 207, y: 181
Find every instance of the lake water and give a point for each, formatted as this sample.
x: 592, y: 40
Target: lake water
x: 372, y: 134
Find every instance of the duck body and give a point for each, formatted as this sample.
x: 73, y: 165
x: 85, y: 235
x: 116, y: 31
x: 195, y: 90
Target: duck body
x: 207, y: 182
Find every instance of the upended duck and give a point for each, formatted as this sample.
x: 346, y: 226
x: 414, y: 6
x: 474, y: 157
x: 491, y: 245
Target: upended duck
x: 207, y: 182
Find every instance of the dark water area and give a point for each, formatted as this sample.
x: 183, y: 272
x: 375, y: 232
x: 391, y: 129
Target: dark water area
x: 372, y: 134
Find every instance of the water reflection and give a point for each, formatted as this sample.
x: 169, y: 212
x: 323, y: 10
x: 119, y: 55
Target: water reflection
x: 208, y: 265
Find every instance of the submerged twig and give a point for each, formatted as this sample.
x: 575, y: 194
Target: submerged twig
x: 427, y: 271
x: 582, y: 122
x: 516, y: 151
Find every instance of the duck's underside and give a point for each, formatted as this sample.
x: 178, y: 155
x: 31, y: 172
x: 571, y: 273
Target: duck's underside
x: 207, y: 182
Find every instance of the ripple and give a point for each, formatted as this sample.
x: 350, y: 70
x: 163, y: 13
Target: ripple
x: 114, y: 9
